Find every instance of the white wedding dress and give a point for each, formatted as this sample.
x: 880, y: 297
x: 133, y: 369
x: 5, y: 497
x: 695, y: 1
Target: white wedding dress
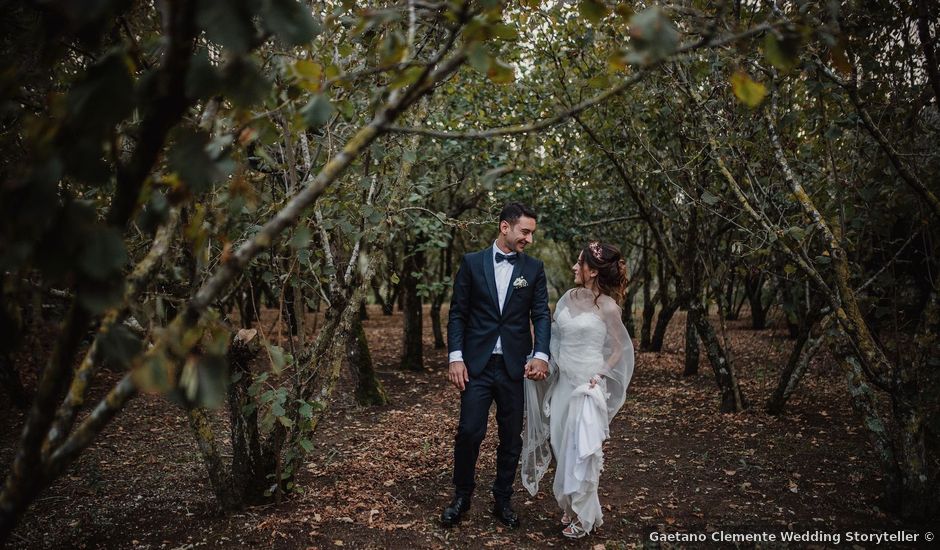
x: 564, y: 414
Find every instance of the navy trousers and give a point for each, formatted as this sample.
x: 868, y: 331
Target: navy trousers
x: 493, y: 384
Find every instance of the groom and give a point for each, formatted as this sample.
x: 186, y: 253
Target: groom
x: 497, y: 292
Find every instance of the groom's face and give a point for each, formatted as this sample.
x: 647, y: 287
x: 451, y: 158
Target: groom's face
x: 517, y: 236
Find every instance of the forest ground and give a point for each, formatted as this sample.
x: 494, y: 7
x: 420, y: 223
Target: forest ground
x: 379, y: 477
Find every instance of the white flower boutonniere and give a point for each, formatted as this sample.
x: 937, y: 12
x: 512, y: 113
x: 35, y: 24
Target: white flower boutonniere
x: 520, y: 283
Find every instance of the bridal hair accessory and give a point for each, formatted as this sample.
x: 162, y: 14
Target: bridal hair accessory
x: 596, y: 250
x: 520, y: 283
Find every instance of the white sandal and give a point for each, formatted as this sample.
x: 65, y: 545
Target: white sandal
x: 574, y: 531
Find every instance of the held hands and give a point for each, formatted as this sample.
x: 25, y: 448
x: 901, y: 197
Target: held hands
x: 536, y: 369
x: 596, y: 379
x: 457, y: 374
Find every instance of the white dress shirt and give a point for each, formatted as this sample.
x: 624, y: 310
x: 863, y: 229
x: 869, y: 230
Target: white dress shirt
x: 503, y: 272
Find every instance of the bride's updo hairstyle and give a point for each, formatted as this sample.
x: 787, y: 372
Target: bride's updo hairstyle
x: 611, y: 268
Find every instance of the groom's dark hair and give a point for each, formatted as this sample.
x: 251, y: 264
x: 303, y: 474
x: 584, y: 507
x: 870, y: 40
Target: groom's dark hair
x: 515, y: 210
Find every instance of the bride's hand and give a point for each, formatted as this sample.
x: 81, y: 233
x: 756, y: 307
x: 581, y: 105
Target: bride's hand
x: 595, y: 379
x: 536, y: 370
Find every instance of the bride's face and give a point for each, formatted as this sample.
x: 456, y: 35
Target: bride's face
x: 582, y: 273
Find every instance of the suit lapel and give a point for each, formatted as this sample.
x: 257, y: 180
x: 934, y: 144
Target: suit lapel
x: 489, y: 273
x: 516, y: 270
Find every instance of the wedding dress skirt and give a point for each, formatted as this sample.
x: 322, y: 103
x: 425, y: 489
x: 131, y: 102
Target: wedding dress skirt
x: 579, y: 458
x: 565, y: 416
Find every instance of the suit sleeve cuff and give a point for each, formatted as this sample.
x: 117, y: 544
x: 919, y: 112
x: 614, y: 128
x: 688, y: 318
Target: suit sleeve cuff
x: 542, y: 356
x: 455, y: 356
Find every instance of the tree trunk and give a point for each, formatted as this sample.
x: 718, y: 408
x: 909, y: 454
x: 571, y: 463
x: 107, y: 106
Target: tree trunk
x: 754, y: 289
x: 662, y: 323
x: 219, y: 479
x: 289, y: 311
x: 649, y: 307
x: 412, y: 357
x: 738, y: 305
x: 732, y: 400
x: 802, y: 353
x: 918, y: 498
x: 249, y: 303
x: 363, y: 311
x: 627, y: 314
x: 369, y: 390
x: 441, y: 296
x: 927, y: 44
x: 691, y: 346
x: 864, y: 404
x: 386, y: 305
x: 730, y: 313
x: 436, y: 325
x: 250, y: 467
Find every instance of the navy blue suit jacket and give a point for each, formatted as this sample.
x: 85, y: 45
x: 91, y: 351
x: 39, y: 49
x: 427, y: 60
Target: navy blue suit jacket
x: 475, y: 321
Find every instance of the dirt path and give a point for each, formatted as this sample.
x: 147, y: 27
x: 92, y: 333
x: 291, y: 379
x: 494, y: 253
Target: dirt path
x: 379, y: 477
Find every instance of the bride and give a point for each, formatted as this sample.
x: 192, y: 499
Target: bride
x: 569, y: 413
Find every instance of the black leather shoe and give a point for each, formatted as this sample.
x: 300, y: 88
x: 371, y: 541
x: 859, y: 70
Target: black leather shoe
x: 505, y: 514
x: 454, y: 513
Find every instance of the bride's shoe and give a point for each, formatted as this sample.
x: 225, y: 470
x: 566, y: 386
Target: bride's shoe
x: 565, y: 520
x: 573, y: 531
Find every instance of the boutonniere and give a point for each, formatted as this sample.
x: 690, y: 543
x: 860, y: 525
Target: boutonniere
x: 520, y: 283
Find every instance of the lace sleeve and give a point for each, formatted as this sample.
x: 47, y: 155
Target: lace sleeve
x: 618, y: 356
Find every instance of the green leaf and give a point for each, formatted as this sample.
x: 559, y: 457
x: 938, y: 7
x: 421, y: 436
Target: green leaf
x: 279, y: 359
x: 600, y: 81
x: 286, y: 422
x: 501, y: 72
x: 305, y: 410
x: 406, y: 78
x: 104, y: 96
x: 244, y: 83
x: 227, y: 22
x: 301, y: 238
x: 653, y: 34
x: 747, y: 91
x: 290, y: 21
x: 306, y: 445
x: 98, y: 296
x: 203, y: 78
x: 796, y: 233
x: 212, y: 376
x: 479, y: 58
x: 317, y: 112
x: 119, y: 346
x: 394, y: 49
x: 153, y: 375
x: 782, y: 51
x: 592, y: 10
x: 191, y: 162
x: 710, y: 199
x: 103, y: 253
x: 307, y: 74
x: 505, y: 32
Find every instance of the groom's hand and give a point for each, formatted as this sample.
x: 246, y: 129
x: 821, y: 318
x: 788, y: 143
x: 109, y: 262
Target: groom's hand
x: 457, y: 374
x: 536, y: 369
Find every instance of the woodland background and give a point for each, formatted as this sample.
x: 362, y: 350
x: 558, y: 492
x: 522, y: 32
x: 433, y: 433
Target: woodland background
x: 228, y: 231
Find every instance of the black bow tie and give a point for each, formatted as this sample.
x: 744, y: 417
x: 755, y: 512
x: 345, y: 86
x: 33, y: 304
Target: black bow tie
x: 511, y: 258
